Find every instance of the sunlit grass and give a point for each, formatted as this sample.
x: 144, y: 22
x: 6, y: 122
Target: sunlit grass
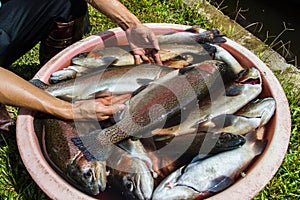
x: 16, y: 183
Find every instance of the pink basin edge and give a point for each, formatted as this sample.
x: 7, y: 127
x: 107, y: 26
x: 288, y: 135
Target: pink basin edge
x: 257, y: 176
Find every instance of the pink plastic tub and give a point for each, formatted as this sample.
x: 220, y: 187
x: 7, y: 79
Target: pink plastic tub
x: 259, y: 174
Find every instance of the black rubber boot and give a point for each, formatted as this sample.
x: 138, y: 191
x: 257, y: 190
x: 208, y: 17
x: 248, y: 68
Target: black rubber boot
x: 61, y: 36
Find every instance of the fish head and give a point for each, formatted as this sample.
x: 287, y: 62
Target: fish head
x: 249, y: 76
x: 136, y: 180
x: 90, y: 175
x: 228, y: 141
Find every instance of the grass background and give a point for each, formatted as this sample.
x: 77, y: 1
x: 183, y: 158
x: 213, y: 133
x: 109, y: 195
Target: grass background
x: 16, y: 183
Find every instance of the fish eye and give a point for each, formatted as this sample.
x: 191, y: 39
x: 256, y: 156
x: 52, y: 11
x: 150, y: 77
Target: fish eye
x: 88, y: 174
x: 128, y: 183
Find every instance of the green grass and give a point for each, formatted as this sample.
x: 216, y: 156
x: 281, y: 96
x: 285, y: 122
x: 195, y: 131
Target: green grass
x: 16, y: 183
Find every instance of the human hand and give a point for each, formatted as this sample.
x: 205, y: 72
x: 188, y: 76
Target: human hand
x: 100, y: 108
x: 144, y: 44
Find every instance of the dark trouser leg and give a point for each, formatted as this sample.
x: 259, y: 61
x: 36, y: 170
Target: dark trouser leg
x: 61, y: 36
x: 23, y: 23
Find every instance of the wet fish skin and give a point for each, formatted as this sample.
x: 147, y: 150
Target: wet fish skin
x: 255, y: 114
x: 170, y: 154
x: 203, y: 178
x: 225, y: 56
x: 86, y: 175
x: 122, y: 56
x: 192, y: 35
x: 131, y: 170
x: 115, y: 80
x: 89, y: 173
x: 262, y: 108
x: 228, y: 100
x: 189, y: 84
x: 172, y: 55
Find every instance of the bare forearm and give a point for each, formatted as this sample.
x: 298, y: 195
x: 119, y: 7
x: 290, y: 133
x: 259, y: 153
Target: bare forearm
x: 17, y: 92
x: 116, y: 11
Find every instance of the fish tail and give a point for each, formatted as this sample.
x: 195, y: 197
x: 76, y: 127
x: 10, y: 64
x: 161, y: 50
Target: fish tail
x: 94, y: 146
x: 257, y: 145
x: 38, y: 83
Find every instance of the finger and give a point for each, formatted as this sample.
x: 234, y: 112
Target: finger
x: 137, y: 59
x: 154, y: 41
x: 109, y: 110
x: 101, y: 117
x: 156, y: 57
x: 151, y: 59
x: 145, y: 58
x: 120, y: 99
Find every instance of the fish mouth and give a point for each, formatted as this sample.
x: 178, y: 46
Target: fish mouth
x: 251, y: 81
x: 249, y: 76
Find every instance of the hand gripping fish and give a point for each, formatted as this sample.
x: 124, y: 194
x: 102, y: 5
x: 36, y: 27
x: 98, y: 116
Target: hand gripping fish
x: 160, y: 100
x: 177, y: 49
x: 115, y: 80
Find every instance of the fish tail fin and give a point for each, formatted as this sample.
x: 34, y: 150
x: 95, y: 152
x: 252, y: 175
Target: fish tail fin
x: 38, y: 83
x: 211, y: 35
x: 94, y: 146
x: 258, y: 145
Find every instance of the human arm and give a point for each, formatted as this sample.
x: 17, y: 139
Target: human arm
x: 141, y: 39
x: 16, y: 91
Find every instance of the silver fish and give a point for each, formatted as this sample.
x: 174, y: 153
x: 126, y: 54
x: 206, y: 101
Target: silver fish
x: 203, y: 178
x: 67, y: 73
x: 131, y: 170
x: 171, y: 153
x: 263, y: 108
x: 191, y: 36
x: 122, y: 56
x: 225, y: 56
x: 115, y: 80
x: 255, y: 114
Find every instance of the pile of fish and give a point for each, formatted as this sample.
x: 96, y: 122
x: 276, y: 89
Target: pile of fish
x: 190, y: 129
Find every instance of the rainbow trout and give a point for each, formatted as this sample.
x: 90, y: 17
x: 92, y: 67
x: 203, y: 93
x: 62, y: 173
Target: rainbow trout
x: 177, y: 49
x: 88, y: 176
x: 159, y: 101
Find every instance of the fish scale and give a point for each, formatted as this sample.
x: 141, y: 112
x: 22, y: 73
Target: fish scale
x: 188, y: 86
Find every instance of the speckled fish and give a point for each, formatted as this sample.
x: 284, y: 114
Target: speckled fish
x: 172, y: 55
x: 87, y: 175
x: 228, y: 100
x: 192, y: 35
x: 131, y: 170
x: 159, y: 101
x: 122, y: 56
x: 102, y: 56
x: 203, y: 178
x: 115, y: 80
x: 254, y: 115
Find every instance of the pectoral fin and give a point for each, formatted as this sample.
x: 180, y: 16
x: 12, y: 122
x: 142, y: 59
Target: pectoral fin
x: 220, y: 184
